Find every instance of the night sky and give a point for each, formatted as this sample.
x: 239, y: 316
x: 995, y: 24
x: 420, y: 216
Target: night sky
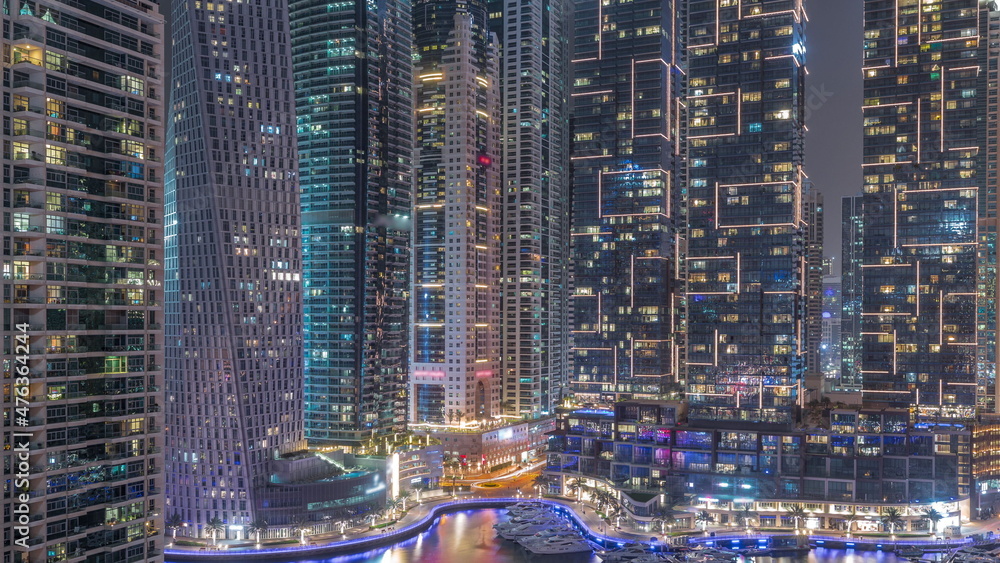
x: 834, y: 39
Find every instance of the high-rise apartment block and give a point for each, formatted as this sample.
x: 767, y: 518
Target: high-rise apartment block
x: 747, y: 265
x: 627, y: 176
x: 455, y: 337
x: 925, y: 195
x: 535, y: 202
x: 234, y: 312
x: 852, y: 244
x: 82, y: 280
x: 354, y: 100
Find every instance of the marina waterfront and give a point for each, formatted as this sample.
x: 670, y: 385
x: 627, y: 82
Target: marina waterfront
x: 468, y: 537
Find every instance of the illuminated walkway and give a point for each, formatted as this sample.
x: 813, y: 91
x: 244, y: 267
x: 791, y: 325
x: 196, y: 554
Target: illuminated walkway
x: 422, y: 517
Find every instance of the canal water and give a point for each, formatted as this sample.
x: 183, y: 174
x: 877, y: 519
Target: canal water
x: 468, y: 537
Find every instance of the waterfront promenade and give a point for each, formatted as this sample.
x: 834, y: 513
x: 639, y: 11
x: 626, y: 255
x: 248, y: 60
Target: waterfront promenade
x: 424, y: 515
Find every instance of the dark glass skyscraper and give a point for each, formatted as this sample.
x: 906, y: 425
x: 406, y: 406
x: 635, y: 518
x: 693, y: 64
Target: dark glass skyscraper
x: 747, y: 266
x: 627, y: 175
x: 353, y: 75
x: 234, y: 311
x: 925, y: 192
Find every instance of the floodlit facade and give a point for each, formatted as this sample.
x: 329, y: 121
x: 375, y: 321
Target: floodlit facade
x: 535, y: 199
x: 925, y: 198
x: 627, y: 177
x: 82, y: 281
x: 234, y: 303
x: 455, y: 336
x: 355, y: 135
x: 748, y: 261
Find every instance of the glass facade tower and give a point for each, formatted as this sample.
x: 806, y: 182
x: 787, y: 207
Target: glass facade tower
x: 925, y: 192
x: 455, y: 363
x: 535, y: 180
x: 234, y: 312
x: 627, y: 173
x: 353, y: 73
x: 82, y: 281
x: 852, y: 244
x: 748, y: 232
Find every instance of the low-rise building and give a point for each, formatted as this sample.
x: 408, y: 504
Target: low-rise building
x: 483, y: 449
x: 844, y: 468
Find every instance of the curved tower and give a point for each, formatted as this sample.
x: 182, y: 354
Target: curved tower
x: 233, y: 315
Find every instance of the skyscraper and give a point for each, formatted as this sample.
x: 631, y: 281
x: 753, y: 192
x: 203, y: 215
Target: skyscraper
x: 925, y: 191
x: 455, y: 364
x: 82, y: 280
x: 234, y: 312
x: 852, y: 244
x: 353, y: 72
x: 747, y: 261
x: 831, y: 341
x: 627, y: 175
x: 812, y: 216
x: 535, y: 192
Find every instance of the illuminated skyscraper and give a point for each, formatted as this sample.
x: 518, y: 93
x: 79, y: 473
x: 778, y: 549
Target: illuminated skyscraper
x: 852, y: 244
x: 926, y: 208
x: 82, y: 280
x: 535, y: 180
x: 234, y: 312
x: 455, y: 363
x: 747, y: 264
x: 627, y: 175
x: 354, y: 99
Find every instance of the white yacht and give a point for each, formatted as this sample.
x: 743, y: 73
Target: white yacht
x: 529, y: 528
x: 561, y: 546
x: 517, y: 520
x: 625, y: 554
x: 547, y: 535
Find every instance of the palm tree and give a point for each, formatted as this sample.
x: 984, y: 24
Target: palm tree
x: 374, y: 515
x: 663, y: 516
x: 933, y: 516
x: 704, y: 518
x: 403, y: 496
x: 575, y: 486
x: 892, y: 517
x: 173, y: 523
x: 744, y: 517
x: 798, y: 514
x: 214, y: 526
x: 299, y: 526
x: 541, y: 481
x: 851, y: 518
x: 257, y: 527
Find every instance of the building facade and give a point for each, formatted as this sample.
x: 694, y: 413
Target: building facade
x: 852, y: 244
x: 627, y: 158
x: 82, y: 281
x: 455, y: 336
x: 748, y: 261
x: 925, y: 191
x: 234, y: 302
x: 354, y: 105
x: 535, y: 202
x: 830, y: 344
x: 813, y: 220
x: 842, y: 466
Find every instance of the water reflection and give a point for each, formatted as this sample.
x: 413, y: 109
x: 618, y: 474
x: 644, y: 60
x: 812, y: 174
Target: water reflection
x: 468, y: 537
